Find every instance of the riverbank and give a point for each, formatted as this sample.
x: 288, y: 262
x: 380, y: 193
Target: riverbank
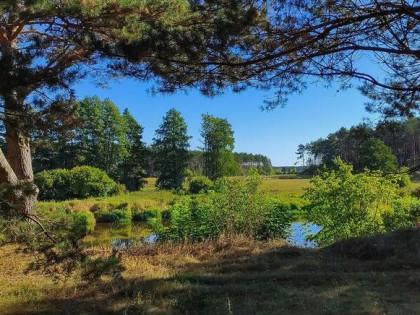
x: 117, y: 235
x: 227, y: 276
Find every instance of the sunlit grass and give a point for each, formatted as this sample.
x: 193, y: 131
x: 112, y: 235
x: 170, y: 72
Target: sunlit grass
x: 226, y: 276
x: 288, y: 191
x: 285, y: 190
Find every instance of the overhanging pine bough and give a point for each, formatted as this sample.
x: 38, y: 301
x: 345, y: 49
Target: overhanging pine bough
x: 46, y: 46
x: 295, y: 40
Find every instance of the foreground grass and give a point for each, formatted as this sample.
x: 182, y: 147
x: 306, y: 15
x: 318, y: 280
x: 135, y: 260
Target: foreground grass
x: 228, y: 276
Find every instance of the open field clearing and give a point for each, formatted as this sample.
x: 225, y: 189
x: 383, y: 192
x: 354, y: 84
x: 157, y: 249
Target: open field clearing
x: 287, y: 190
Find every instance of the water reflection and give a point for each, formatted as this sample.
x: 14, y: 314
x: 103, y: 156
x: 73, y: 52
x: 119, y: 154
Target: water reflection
x: 299, y: 231
x: 122, y: 236
x: 119, y: 243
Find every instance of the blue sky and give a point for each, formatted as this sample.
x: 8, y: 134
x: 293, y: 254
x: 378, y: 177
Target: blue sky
x: 276, y: 134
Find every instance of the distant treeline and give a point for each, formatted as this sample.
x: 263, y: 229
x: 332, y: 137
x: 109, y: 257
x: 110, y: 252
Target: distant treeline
x: 103, y: 137
x: 402, y: 138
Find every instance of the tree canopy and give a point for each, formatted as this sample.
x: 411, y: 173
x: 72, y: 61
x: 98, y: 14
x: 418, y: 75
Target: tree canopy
x: 377, y: 156
x: 218, y: 144
x: 401, y: 136
x: 101, y: 137
x: 47, y: 46
x: 291, y: 41
x: 132, y: 170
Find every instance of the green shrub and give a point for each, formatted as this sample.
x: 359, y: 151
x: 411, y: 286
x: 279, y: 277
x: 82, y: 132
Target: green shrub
x: 405, y: 212
x: 416, y: 192
x: 92, y: 182
x: 276, y: 223
x: 54, y: 185
x: 79, y: 182
x: 200, y: 184
x: 235, y: 207
x: 188, y: 175
x: 119, y: 189
x: 114, y: 214
x: 146, y: 214
x: 80, y: 223
x: 404, y: 180
x: 348, y: 205
x: 189, y: 220
x: 83, y: 223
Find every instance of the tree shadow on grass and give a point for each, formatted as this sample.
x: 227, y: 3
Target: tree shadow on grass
x: 284, y: 280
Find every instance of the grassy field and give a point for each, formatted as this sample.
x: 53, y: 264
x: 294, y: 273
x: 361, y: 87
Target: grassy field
x: 134, y: 205
x: 148, y: 197
x: 235, y: 276
x: 287, y: 190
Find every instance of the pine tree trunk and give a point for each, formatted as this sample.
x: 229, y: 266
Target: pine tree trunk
x: 16, y: 170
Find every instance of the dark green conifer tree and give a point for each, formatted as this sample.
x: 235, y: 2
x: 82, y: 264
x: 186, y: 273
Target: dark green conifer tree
x: 132, y: 169
x: 171, y: 151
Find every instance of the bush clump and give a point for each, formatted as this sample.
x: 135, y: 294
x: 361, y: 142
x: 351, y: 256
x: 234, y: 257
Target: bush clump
x: 78, y: 183
x: 120, y: 213
x: 146, y: 214
x: 83, y: 222
x: 200, y: 184
x: 352, y: 205
x: 234, y: 208
x: 416, y: 192
x: 80, y: 222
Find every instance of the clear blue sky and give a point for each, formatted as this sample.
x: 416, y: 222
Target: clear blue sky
x: 308, y: 116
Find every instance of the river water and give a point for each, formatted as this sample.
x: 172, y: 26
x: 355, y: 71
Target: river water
x: 299, y: 231
x: 125, y: 235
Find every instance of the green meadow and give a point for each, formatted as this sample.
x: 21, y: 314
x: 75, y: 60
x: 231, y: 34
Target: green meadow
x: 286, y: 190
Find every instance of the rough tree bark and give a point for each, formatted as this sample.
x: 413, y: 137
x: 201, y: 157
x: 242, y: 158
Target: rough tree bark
x: 16, y: 169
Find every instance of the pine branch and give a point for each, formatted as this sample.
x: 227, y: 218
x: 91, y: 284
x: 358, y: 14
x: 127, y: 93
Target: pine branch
x: 35, y: 219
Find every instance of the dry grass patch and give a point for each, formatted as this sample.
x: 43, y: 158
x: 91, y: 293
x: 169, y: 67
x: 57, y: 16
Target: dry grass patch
x: 225, y: 276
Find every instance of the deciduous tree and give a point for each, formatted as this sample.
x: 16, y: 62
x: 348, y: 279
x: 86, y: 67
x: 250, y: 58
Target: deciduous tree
x: 375, y: 155
x: 218, y: 144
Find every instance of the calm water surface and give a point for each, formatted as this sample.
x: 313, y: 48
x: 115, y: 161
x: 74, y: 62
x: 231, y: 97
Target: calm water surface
x: 121, y: 236
x: 299, y: 231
